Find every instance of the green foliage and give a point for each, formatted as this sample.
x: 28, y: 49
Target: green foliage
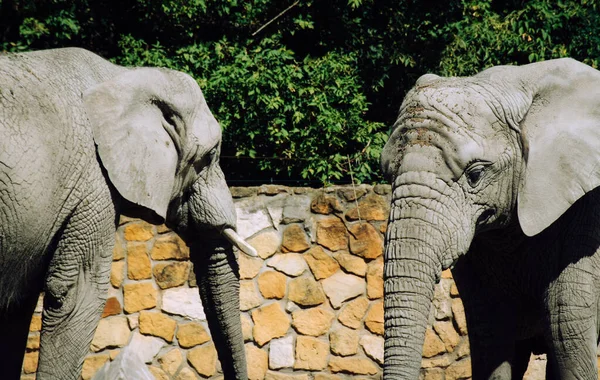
x: 288, y: 118
x: 537, y: 31
x: 305, y: 90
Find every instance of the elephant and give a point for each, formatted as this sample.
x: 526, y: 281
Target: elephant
x: 84, y: 141
x: 495, y: 176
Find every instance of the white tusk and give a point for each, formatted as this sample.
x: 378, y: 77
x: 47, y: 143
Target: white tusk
x: 240, y: 243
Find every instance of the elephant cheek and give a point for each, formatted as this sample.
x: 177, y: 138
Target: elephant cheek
x: 211, y: 204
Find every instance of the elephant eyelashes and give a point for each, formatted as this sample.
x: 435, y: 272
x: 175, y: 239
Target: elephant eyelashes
x: 474, y: 173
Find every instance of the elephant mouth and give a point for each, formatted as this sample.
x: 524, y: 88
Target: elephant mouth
x: 486, y: 216
x: 238, y: 242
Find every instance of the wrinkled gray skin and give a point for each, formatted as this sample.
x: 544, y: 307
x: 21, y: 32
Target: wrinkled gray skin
x: 494, y: 176
x: 82, y: 141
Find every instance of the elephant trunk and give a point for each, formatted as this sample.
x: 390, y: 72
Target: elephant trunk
x: 218, y: 280
x: 412, y: 267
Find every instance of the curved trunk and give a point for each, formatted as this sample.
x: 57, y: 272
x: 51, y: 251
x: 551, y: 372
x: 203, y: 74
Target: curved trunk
x: 218, y: 280
x: 412, y: 266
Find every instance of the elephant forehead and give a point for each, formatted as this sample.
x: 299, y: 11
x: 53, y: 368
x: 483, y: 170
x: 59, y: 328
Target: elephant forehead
x: 457, y: 107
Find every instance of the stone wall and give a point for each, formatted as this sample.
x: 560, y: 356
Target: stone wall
x: 311, y: 305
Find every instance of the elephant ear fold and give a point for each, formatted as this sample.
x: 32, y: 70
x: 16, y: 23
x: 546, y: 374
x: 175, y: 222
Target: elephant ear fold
x: 135, y: 149
x: 561, y: 138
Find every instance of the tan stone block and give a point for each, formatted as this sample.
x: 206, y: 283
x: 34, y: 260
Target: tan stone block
x: 446, y: 332
x: 133, y: 321
x: 266, y: 243
x: 332, y: 234
x: 270, y: 322
x: 353, y: 366
x: 162, y: 229
x: 203, y: 359
x: 454, y: 290
x: 365, y: 241
x: 326, y: 376
x: 374, y: 318
x: 249, y: 266
x: 351, y: 263
x: 292, y: 264
x: 258, y: 361
x: 343, y: 341
x: 111, y: 332
x: 138, y: 231
x: 27, y: 377
x: 375, y: 279
x: 311, y: 353
x: 118, y: 250
x: 447, y: 273
x: 112, y: 307
x: 325, y: 204
x: 342, y: 287
x: 30, y: 361
x: 438, y: 361
x: 433, y: 345
x: 186, y: 374
x: 247, y: 327
x: 113, y: 354
x: 294, y: 239
x: 192, y: 334
x: 126, y: 219
x: 372, y: 207
x: 537, y: 368
x: 169, y: 247
x: 314, y: 321
x: 353, y: 193
x: 117, y: 273
x: 320, y: 263
x: 36, y: 323
x: 272, y: 375
x: 373, y: 346
x: 306, y: 292
x: 192, y: 278
x: 158, y: 373
x: 171, y: 275
x: 33, y: 342
x: 383, y: 227
x: 139, y: 266
x: 433, y: 374
x: 458, y: 312
x: 249, y: 297
x: 272, y: 284
x: 272, y: 189
x: 139, y: 296
x: 92, y: 364
x: 157, y: 324
x: 463, y: 348
x: 459, y: 370
x: 171, y: 361
x: 353, y: 313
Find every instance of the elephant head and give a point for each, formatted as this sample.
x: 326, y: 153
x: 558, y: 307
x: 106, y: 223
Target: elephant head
x: 159, y: 145
x: 511, y: 147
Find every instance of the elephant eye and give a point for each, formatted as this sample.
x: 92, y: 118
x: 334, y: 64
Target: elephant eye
x: 475, y: 172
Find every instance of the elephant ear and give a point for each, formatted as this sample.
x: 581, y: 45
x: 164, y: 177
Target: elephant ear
x: 133, y: 145
x: 561, y: 138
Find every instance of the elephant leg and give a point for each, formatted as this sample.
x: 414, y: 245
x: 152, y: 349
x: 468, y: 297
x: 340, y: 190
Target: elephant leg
x: 14, y: 328
x: 491, y: 320
x: 571, y: 307
x: 76, y: 289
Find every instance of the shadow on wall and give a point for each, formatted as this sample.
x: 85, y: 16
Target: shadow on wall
x: 311, y: 304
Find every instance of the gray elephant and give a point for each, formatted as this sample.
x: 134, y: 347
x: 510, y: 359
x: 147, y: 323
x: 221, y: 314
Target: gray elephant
x: 495, y: 176
x: 82, y: 141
